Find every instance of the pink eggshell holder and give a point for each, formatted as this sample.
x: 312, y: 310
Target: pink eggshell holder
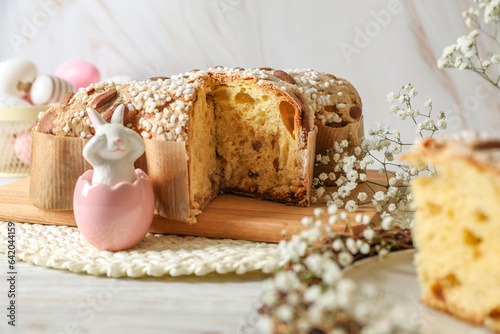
x: 113, y: 218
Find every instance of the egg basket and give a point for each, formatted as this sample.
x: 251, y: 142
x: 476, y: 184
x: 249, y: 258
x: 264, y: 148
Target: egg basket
x: 15, y: 139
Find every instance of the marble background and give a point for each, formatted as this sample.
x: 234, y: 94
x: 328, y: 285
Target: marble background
x: 402, y: 41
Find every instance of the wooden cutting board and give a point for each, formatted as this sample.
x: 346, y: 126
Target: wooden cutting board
x: 228, y: 216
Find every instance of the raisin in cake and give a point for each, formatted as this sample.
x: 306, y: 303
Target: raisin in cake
x: 244, y: 131
x: 457, y: 229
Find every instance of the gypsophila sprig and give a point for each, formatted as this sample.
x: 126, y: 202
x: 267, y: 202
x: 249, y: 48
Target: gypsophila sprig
x: 484, y: 18
x: 309, y: 293
x: 391, y: 197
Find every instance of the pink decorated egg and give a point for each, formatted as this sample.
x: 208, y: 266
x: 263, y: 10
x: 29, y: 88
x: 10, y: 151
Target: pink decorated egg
x: 115, y: 217
x: 78, y: 72
x: 22, y: 147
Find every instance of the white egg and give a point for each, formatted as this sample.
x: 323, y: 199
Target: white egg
x: 8, y: 100
x: 119, y: 79
x: 48, y: 89
x: 16, y: 76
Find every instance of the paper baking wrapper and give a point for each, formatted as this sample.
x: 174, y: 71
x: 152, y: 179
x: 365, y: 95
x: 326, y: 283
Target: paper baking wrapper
x: 326, y: 138
x: 57, y: 162
x: 168, y: 171
x: 311, y: 144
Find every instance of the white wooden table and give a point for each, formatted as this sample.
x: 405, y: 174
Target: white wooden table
x: 58, y: 301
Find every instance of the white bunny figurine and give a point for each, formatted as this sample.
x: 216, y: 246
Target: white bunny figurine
x: 113, y: 149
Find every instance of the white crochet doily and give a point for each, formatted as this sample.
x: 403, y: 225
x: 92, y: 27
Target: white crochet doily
x: 63, y: 247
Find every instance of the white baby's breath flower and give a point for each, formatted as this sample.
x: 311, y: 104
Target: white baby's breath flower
x: 352, y: 175
x: 357, y: 150
x: 333, y: 219
x: 402, y: 114
x: 340, y: 181
x: 364, y: 249
x: 369, y: 234
x: 401, y: 99
x: 495, y: 59
x: 312, y: 293
x: 286, y: 280
x: 441, y: 124
x: 332, y: 176
x: 442, y: 63
x: 391, y: 97
x: 412, y: 93
x: 428, y: 103
x: 323, y: 176
x: 391, y: 207
x: 331, y: 274
x: 307, y: 221
x: 318, y: 212
x: 412, y: 112
x: 387, y: 223
x: 395, y: 109
x: 392, y: 191
x: 389, y: 156
x: 351, y: 206
x: 379, y: 196
x: 362, y: 196
x: 395, y: 148
x: 419, y: 127
x: 338, y: 202
x: 269, y: 297
x: 345, y: 258
x: 320, y: 191
x: 285, y: 313
x: 314, y: 263
x: 448, y: 51
x: 344, y: 191
x: 366, y: 220
x: 383, y: 252
x: 332, y: 209
x: 337, y: 245
x: 351, y: 246
x: 343, y: 215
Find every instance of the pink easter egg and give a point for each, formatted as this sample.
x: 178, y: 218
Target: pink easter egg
x: 22, y: 147
x: 113, y: 218
x: 78, y: 72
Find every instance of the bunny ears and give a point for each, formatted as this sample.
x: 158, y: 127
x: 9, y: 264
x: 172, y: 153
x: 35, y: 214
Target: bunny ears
x: 98, y: 121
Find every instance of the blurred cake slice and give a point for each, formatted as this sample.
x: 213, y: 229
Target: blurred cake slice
x: 457, y: 229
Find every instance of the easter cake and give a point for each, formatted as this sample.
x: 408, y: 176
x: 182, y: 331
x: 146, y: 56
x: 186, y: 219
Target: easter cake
x: 250, y: 132
x: 457, y: 227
